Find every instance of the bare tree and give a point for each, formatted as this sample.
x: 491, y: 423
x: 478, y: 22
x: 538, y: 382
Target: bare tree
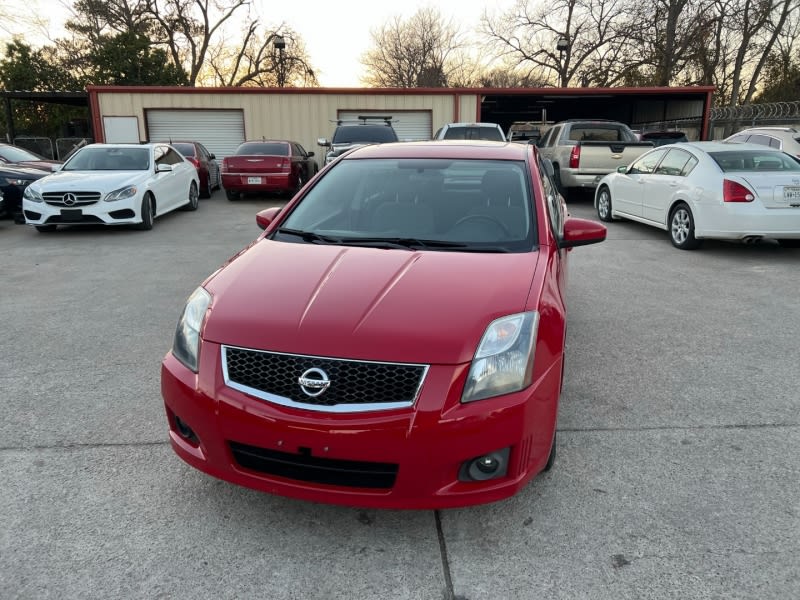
x: 593, y: 34
x: 418, y: 52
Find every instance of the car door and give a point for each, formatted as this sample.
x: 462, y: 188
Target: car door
x: 667, y: 182
x: 167, y: 183
x: 628, y: 190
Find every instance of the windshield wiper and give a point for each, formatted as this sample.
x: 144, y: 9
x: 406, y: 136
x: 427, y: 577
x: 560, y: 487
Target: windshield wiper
x: 309, y: 236
x: 407, y: 243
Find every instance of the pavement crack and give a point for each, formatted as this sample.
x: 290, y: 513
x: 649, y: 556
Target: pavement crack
x: 449, y: 594
x: 729, y: 426
x: 80, y: 446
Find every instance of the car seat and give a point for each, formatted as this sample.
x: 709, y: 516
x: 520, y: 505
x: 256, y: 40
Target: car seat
x: 503, y: 201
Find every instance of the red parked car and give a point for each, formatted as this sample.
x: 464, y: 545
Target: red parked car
x: 394, y: 338
x: 205, y: 163
x: 20, y: 157
x: 271, y: 166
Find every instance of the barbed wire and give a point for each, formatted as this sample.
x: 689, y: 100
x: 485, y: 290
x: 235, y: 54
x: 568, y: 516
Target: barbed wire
x: 768, y: 111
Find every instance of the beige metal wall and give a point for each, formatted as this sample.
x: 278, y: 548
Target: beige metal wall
x: 302, y: 117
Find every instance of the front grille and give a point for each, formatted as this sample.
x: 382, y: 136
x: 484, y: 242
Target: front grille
x: 85, y: 219
x: 354, y: 385
x: 304, y: 467
x: 71, y: 199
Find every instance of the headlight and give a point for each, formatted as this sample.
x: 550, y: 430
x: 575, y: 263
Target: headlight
x: 30, y: 194
x: 503, y: 362
x: 186, y: 346
x: 10, y: 181
x: 122, y: 194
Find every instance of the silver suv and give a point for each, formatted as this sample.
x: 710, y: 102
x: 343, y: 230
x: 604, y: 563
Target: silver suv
x: 783, y: 138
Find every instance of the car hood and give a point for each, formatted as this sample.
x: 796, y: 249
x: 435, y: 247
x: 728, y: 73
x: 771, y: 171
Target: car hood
x: 103, y: 181
x: 17, y: 172
x: 365, y: 303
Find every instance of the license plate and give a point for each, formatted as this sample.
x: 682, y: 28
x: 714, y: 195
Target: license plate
x: 791, y: 193
x: 71, y: 214
x: 255, y: 180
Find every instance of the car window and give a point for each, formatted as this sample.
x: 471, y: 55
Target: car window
x: 647, y: 163
x: 739, y: 138
x: 595, y: 133
x: 759, y: 139
x: 552, y: 136
x: 673, y: 162
x: 555, y: 206
x: 753, y: 160
x: 183, y: 148
x: 364, y: 133
x: 265, y: 148
x: 171, y: 157
x: 473, y: 133
x: 15, y: 154
x: 689, y: 166
x: 472, y: 204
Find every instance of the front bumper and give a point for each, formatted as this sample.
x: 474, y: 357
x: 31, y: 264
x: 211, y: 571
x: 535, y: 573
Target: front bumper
x: 411, y: 457
x: 118, y: 212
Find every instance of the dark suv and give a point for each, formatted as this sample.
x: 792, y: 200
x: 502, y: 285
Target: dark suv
x: 361, y: 132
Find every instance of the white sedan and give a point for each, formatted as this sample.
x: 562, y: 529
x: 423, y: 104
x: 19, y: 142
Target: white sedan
x: 700, y: 190
x: 113, y: 184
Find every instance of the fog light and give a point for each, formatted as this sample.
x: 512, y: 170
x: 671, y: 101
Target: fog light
x: 488, y: 466
x: 185, y: 431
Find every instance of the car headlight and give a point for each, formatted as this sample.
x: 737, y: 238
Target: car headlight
x: 186, y: 346
x: 32, y: 195
x: 121, y: 194
x: 503, y: 362
x: 10, y: 181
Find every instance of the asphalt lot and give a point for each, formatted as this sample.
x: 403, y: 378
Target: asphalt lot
x: 678, y: 469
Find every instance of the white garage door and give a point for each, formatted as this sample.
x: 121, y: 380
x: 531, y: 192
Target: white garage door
x: 409, y: 124
x: 221, y: 131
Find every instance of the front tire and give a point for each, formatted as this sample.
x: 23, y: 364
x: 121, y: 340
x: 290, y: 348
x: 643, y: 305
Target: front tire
x: 551, y: 459
x: 206, y: 193
x: 681, y: 228
x: 604, y: 204
x: 194, y: 195
x: 147, y: 213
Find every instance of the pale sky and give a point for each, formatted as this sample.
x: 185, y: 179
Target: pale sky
x: 336, y: 32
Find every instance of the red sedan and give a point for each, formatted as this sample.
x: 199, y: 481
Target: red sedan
x: 394, y: 338
x: 272, y: 166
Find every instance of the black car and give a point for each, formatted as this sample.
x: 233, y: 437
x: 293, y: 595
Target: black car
x: 13, y: 181
x: 351, y: 134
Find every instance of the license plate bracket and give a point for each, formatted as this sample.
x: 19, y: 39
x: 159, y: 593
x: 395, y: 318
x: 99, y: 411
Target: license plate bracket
x: 71, y: 214
x: 254, y: 180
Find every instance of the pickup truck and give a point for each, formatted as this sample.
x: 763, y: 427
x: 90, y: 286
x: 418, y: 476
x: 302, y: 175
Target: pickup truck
x: 584, y: 150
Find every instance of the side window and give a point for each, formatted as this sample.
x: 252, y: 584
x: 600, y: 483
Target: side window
x: 555, y: 206
x: 647, y: 163
x: 774, y: 142
x: 690, y: 164
x: 159, y: 154
x: 673, y: 162
x: 302, y: 151
x: 169, y: 157
x: 554, y: 134
x: 759, y: 139
x: 742, y: 137
x: 204, y: 154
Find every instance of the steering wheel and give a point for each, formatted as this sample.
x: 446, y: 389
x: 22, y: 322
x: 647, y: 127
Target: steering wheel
x: 485, y: 218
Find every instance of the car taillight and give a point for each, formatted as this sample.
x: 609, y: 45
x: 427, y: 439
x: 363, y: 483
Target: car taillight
x: 735, y: 192
x: 286, y: 165
x: 574, y: 157
x: 193, y: 160
x: 224, y: 168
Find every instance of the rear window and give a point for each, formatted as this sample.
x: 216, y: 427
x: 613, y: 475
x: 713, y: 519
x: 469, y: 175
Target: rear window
x: 753, y: 160
x: 364, y: 133
x: 185, y: 149
x: 270, y: 148
x: 473, y: 133
x: 598, y: 133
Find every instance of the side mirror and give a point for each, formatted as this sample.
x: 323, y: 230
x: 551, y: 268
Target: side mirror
x: 212, y: 157
x: 323, y: 142
x: 163, y: 168
x: 310, y: 154
x: 581, y: 232
x: 265, y: 217
x: 622, y: 169
x: 55, y: 168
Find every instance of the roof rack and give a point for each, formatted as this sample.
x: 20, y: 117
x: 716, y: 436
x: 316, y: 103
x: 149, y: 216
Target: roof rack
x: 387, y: 119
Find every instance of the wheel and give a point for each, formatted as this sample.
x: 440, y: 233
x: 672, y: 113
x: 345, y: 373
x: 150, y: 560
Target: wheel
x: 486, y: 218
x: 301, y: 181
x: 789, y: 243
x: 206, y: 193
x: 193, y: 198
x: 604, y: 204
x: 681, y: 228
x: 232, y: 195
x: 46, y: 228
x: 147, y: 213
x: 552, y: 456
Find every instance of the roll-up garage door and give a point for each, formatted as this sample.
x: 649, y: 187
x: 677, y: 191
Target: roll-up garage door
x: 409, y: 124
x: 221, y: 131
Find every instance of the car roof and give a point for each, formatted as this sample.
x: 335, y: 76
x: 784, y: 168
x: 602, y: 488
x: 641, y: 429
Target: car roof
x: 478, y: 149
x: 465, y: 124
x: 723, y: 146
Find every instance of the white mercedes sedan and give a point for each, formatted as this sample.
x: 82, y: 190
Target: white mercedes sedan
x: 700, y: 190
x: 113, y: 184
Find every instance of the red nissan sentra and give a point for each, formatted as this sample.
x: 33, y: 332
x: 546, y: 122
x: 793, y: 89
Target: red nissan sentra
x: 394, y: 338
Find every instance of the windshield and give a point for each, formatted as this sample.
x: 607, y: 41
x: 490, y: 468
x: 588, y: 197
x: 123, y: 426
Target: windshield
x: 753, y: 160
x: 459, y: 205
x: 14, y: 154
x: 109, y: 159
x: 364, y: 133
